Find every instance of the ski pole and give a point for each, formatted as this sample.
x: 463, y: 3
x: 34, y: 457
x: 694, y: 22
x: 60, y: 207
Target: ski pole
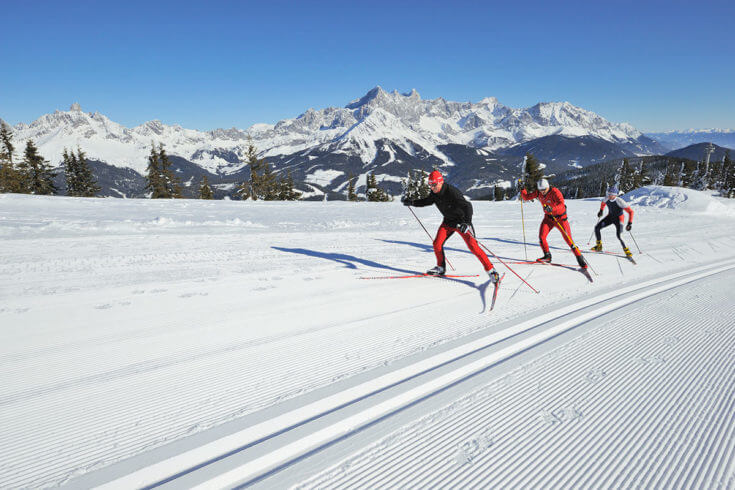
x: 507, y: 266
x: 593, y: 231
x: 636, y: 243
x: 570, y: 239
x: 427, y: 233
x: 523, y: 224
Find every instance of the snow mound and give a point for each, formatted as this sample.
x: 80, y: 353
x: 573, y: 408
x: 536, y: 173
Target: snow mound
x: 680, y: 198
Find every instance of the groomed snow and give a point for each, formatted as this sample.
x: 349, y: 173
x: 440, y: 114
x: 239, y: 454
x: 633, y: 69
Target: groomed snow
x: 132, y: 324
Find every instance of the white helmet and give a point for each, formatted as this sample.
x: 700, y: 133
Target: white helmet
x: 542, y: 184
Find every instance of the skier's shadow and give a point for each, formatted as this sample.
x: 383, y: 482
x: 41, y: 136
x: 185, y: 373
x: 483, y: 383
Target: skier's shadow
x: 350, y: 262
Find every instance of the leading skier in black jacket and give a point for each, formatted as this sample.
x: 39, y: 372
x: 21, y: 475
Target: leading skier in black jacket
x: 457, y: 212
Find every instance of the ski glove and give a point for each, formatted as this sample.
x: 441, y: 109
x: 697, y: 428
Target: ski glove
x: 629, y: 226
x: 463, y: 227
x: 547, y: 208
x: 406, y: 201
x: 599, y: 215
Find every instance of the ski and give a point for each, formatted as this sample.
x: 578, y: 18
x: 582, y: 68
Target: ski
x: 572, y: 268
x: 495, y: 292
x: 568, y: 266
x: 410, y: 276
x: 622, y: 256
x: 586, y: 273
x: 563, y: 266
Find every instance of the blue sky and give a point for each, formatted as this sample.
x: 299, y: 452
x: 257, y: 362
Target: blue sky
x: 205, y: 65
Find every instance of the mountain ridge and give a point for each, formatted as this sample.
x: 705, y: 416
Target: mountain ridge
x: 410, y: 130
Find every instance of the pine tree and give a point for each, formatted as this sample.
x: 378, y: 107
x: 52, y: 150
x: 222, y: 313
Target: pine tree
x: 728, y: 173
x: 533, y: 173
x: 715, y: 169
x: 205, y: 191
x: 370, y: 187
x: 39, y: 175
x: 69, y: 164
x: 375, y: 193
x: 262, y: 183
x: 88, y: 184
x: 671, y: 178
x: 80, y: 181
x: 423, y: 189
x: 268, y: 183
x: 407, y: 185
x: 625, y: 177
x: 416, y: 186
x: 171, y: 183
x: 156, y: 183
x: 351, y: 196
x: 286, y: 189
x: 688, y: 174
x: 641, y: 177
x: 10, y: 179
x: 499, y: 193
x: 603, y: 188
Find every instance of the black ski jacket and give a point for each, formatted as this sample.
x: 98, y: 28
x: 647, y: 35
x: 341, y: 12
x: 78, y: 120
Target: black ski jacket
x: 451, y: 203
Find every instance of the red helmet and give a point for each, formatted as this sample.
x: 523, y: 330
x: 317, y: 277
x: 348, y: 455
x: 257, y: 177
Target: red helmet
x: 435, y: 177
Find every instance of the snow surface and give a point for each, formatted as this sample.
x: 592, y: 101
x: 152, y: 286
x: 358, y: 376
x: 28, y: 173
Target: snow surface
x: 129, y: 325
x: 680, y: 199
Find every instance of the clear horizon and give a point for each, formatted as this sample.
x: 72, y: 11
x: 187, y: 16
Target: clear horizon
x: 235, y: 64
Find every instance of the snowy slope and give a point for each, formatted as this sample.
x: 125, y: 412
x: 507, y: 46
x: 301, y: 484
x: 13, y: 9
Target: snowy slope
x: 135, y: 329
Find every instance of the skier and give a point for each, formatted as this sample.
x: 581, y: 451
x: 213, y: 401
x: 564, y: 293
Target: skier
x: 555, y: 216
x: 457, y: 212
x: 615, y: 207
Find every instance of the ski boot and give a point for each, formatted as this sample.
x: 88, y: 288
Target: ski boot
x: 627, y: 251
x: 580, y: 260
x: 545, y: 258
x: 494, y: 276
x: 598, y: 246
x: 436, y: 271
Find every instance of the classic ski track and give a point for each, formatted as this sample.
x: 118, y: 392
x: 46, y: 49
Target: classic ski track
x: 487, y: 413
x: 584, y: 472
x: 436, y: 481
x: 708, y: 270
x: 257, y: 397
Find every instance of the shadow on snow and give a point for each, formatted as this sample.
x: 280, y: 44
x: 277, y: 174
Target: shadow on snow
x: 351, y: 262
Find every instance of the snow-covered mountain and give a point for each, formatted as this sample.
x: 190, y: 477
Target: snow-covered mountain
x: 387, y: 133
x: 674, y: 140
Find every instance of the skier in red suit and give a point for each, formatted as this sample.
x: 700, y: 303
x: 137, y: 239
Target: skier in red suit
x: 554, y: 207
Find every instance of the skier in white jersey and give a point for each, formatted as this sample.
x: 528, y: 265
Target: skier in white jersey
x: 615, y: 207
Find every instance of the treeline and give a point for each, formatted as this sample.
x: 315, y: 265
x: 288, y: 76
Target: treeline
x: 34, y: 175
x: 373, y: 192
x: 162, y: 183
x: 629, y: 174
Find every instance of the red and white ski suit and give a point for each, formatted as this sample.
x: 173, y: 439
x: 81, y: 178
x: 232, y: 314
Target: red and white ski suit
x: 554, y: 207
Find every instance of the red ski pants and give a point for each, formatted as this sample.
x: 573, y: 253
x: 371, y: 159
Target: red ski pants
x: 445, y: 232
x: 546, y: 226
